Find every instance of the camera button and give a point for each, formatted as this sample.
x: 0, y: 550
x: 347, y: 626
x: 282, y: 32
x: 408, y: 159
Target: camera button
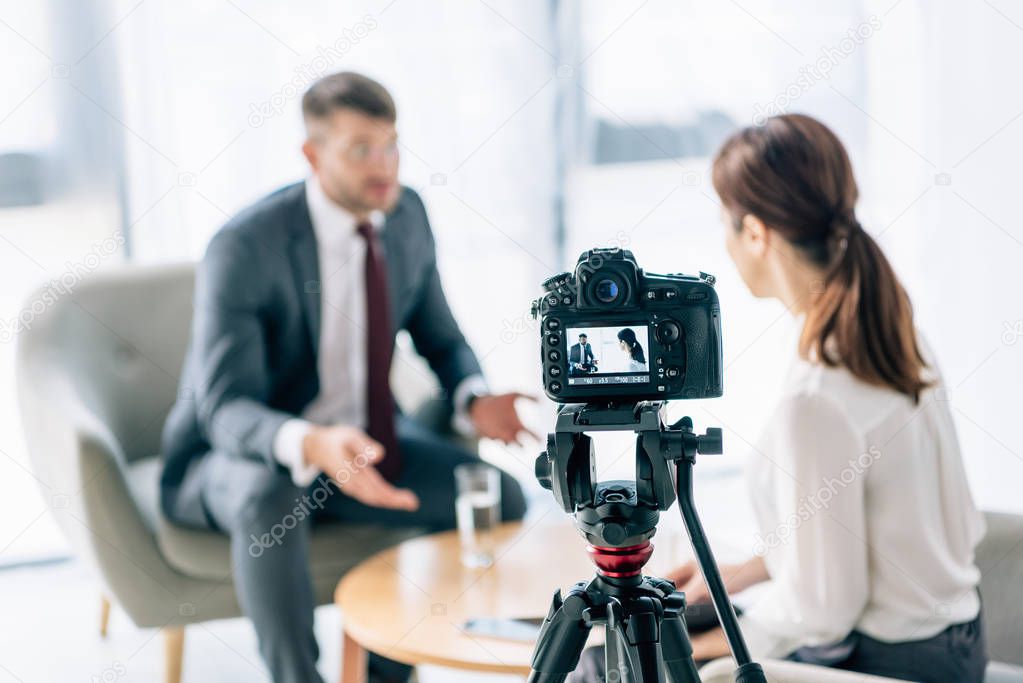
x: 668, y: 332
x: 567, y: 301
x: 553, y: 324
x: 670, y: 293
x: 661, y: 387
x: 554, y: 356
x: 553, y: 339
x: 651, y: 295
x: 555, y: 387
x: 673, y: 372
x: 553, y: 300
x: 555, y: 371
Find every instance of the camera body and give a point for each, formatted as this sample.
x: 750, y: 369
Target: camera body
x: 611, y: 333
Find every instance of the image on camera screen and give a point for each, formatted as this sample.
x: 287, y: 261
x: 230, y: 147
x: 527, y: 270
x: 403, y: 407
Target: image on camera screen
x: 608, y: 355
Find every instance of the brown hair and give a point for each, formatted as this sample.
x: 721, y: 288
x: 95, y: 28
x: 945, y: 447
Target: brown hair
x: 348, y: 90
x: 794, y: 175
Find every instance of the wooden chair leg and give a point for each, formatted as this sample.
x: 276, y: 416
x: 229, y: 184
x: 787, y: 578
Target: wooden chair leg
x: 173, y: 652
x: 104, y: 615
x: 353, y: 660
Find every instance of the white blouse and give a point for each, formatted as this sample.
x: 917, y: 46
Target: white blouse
x: 865, y: 519
x: 637, y: 366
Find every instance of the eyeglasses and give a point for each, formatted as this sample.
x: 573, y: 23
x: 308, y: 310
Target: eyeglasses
x: 362, y: 152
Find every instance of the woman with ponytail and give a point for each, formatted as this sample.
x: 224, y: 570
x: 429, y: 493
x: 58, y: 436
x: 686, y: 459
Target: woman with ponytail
x: 865, y: 525
x: 629, y: 344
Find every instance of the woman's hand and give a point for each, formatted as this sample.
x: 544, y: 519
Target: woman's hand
x: 709, y: 645
x: 737, y: 578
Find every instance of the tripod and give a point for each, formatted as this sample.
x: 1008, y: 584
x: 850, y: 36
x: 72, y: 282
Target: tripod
x: 643, y: 617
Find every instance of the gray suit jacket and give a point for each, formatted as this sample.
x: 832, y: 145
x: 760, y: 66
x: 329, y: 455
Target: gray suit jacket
x: 251, y: 362
x: 579, y: 354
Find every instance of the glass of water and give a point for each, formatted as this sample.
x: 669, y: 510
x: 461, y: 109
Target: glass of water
x: 478, y: 510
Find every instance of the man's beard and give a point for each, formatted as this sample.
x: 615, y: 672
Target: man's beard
x: 354, y: 201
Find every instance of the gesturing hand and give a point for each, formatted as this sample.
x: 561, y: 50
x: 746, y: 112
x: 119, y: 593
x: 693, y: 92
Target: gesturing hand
x: 346, y: 455
x: 494, y: 417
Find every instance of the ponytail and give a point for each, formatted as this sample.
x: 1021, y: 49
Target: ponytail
x: 863, y: 320
x: 794, y: 174
x: 635, y: 348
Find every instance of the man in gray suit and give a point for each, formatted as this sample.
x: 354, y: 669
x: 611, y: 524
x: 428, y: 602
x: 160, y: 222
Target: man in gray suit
x: 285, y: 384
x: 580, y: 357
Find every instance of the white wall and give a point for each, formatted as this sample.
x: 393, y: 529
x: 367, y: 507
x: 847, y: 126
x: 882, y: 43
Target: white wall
x: 944, y: 82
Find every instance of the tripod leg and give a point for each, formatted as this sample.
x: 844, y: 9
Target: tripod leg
x: 562, y: 637
x: 633, y: 647
x: 676, y: 649
x: 617, y: 666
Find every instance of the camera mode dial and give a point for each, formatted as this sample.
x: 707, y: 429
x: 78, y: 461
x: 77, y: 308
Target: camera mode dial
x: 556, y: 282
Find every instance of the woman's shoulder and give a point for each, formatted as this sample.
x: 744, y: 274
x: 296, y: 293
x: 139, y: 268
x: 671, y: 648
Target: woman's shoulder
x: 835, y: 388
x: 811, y: 430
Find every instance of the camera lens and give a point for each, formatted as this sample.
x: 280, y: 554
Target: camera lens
x: 606, y: 291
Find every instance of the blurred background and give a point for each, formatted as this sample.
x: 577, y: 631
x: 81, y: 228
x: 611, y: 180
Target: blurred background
x: 130, y: 130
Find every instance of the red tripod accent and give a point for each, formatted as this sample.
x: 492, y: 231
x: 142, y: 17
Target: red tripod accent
x: 620, y: 563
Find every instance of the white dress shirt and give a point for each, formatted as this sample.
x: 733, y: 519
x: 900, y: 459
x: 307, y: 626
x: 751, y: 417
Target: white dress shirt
x: 342, y: 361
x: 865, y: 519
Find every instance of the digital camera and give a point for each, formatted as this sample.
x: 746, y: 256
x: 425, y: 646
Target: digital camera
x: 611, y: 333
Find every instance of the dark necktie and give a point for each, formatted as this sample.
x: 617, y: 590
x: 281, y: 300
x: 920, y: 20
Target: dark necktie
x: 379, y: 344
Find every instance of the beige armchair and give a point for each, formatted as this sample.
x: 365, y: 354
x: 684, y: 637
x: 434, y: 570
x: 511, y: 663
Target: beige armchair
x: 97, y: 373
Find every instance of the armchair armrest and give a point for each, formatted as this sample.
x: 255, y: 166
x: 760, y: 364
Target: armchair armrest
x: 721, y: 671
x: 82, y: 463
x: 105, y: 524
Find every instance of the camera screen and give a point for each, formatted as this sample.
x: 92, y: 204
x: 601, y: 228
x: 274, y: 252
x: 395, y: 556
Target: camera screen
x: 608, y: 355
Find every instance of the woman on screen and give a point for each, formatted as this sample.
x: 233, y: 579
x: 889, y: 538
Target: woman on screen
x: 629, y: 344
x: 866, y: 528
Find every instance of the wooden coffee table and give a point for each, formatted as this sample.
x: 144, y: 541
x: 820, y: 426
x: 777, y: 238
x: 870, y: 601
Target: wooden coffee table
x: 410, y: 602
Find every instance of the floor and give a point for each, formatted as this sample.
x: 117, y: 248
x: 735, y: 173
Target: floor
x: 61, y: 641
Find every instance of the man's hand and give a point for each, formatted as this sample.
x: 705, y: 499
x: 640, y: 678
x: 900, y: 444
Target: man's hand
x: 346, y: 455
x: 494, y: 417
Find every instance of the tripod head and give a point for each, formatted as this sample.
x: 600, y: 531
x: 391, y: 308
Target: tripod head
x: 618, y: 513
x: 618, y: 519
